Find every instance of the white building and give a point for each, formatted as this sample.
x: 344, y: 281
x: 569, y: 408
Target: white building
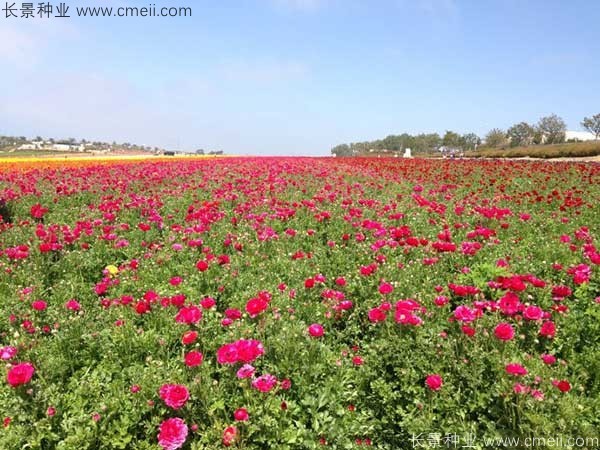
x: 579, y: 135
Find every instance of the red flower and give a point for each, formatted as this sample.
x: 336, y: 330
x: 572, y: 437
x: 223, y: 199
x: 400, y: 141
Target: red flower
x: 73, y: 305
x: 190, y: 314
x: 256, y: 305
x: 562, y: 385
x: 174, y: 395
x: 172, y: 434
x: 193, y: 359
x: 434, y: 382
x: 264, y: 383
x: 20, y: 374
x: 516, y: 369
x: 316, y: 330
x: 241, y: 415
x: 377, y: 315
x: 385, y: 288
x: 504, y: 331
x: 39, y: 305
x: 37, y: 211
x: 229, y: 436
x: 202, y: 266
x: 548, y: 329
x: 189, y: 337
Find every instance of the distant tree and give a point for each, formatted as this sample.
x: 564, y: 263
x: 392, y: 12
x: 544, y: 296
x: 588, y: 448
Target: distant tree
x: 426, y: 142
x: 200, y: 151
x: 592, y: 124
x: 495, y: 138
x: 341, y: 150
x: 553, y: 129
x: 452, y: 139
x: 521, y: 134
x: 470, y: 141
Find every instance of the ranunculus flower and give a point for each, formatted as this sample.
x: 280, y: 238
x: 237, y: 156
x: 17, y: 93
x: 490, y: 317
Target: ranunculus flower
x: 548, y: 359
x: 8, y: 352
x: 73, y: 305
x: 385, y: 288
x: 189, y: 337
x: 548, y: 329
x: 256, y: 305
x: 264, y: 383
x: 376, y: 315
x: 533, y: 313
x: 562, y: 385
x: 246, y: 371
x: 434, y: 382
x: 20, y: 374
x: 316, y: 330
x: 174, y: 395
x: 193, y: 358
x: 241, y: 415
x: 248, y: 350
x: 516, y: 369
x: 202, y: 266
x: 464, y: 314
x: 39, y: 305
x: 208, y: 302
x: 172, y: 433
x: 230, y: 435
x: 504, y: 331
x: 189, y: 315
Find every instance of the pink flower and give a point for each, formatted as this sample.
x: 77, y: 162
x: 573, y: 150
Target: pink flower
x: 538, y: 395
x: 385, y: 288
x: 376, y: 315
x: 244, y: 350
x: 39, y: 305
x: 246, y: 371
x: 20, y: 374
x: 8, y: 352
x: 434, y: 382
x: 241, y: 415
x: 227, y: 354
x: 316, y: 330
x: 174, y: 395
x: 464, y: 314
x: 548, y: 329
x: 504, y: 331
x: 189, y: 337
x: 73, y: 305
x: 519, y: 388
x: 255, y: 306
x: 189, y: 315
x: 193, y: 358
x: 533, y: 313
x: 264, y: 383
x: 516, y: 369
x: 230, y: 435
x: 548, y: 359
x: 172, y: 434
x: 208, y: 302
x: 440, y: 300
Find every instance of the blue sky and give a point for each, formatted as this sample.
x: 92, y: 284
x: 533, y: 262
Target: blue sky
x: 299, y: 76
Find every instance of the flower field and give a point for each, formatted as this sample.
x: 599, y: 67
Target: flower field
x: 296, y: 303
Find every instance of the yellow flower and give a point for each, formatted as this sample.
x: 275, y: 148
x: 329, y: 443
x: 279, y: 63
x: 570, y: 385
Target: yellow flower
x: 112, y: 270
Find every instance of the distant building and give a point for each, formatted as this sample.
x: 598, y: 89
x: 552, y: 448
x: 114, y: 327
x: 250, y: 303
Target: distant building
x: 579, y: 136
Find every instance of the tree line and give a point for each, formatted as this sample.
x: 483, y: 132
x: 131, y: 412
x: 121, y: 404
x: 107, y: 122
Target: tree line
x: 548, y: 130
